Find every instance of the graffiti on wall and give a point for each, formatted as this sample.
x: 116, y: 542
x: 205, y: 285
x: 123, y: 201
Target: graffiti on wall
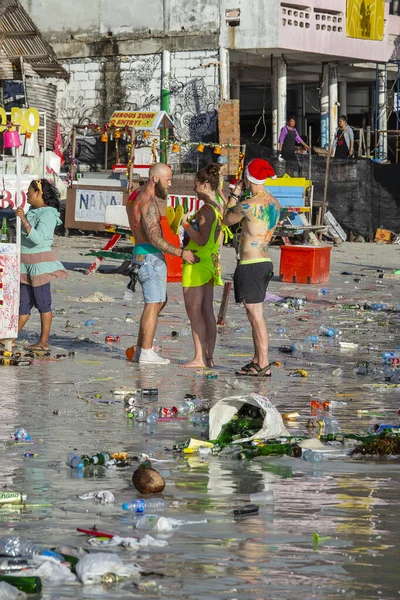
x: 141, y: 76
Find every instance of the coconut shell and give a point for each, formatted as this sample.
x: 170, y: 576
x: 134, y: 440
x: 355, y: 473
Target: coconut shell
x: 148, y: 481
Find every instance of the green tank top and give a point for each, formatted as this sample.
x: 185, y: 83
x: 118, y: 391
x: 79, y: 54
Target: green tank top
x: 212, y: 245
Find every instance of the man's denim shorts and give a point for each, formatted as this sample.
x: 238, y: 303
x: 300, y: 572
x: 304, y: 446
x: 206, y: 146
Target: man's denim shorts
x: 152, y: 276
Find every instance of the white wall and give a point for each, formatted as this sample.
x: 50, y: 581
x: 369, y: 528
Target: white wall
x: 194, y: 90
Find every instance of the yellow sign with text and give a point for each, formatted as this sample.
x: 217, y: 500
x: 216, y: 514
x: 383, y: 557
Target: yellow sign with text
x: 27, y: 118
x: 121, y: 118
x: 365, y: 19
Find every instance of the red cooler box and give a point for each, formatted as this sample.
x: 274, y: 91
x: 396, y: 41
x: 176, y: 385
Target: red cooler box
x: 305, y: 264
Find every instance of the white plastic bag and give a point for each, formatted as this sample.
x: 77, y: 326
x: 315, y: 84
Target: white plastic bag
x: 103, y: 496
x: 92, y: 567
x: 51, y: 573
x: 224, y: 410
x: 9, y: 592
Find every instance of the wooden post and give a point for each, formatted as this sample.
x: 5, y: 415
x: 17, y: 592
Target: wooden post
x: 368, y: 141
x: 360, y: 143
x: 224, y: 303
x: 321, y: 213
x: 131, y: 159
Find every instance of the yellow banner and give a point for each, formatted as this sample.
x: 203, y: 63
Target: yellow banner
x: 121, y: 118
x: 365, y: 19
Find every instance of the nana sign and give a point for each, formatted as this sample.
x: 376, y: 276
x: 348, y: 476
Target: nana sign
x: 90, y: 205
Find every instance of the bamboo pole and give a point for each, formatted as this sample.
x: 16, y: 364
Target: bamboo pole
x: 131, y: 159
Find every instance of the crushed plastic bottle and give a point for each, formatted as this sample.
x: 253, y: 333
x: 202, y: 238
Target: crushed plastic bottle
x: 329, y: 331
x: 312, y: 457
x: 338, y: 372
x: 90, y: 322
x: 391, y: 358
x: 21, y: 435
x: 281, y: 331
x: 140, y: 505
x: 14, y: 546
x: 152, y: 417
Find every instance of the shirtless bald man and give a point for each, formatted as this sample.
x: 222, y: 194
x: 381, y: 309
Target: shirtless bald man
x: 143, y: 210
x: 258, y: 216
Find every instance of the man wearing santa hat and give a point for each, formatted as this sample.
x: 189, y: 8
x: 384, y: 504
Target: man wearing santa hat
x: 258, y: 216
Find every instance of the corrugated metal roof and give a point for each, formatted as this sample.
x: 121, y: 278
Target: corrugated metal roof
x: 42, y: 96
x: 19, y: 37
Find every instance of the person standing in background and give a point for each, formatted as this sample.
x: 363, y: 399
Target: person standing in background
x: 288, y: 139
x: 343, y: 142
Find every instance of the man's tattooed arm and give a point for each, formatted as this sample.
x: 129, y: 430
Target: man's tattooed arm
x: 152, y: 228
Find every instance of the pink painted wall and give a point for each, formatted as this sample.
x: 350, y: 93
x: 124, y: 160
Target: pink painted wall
x: 324, y: 33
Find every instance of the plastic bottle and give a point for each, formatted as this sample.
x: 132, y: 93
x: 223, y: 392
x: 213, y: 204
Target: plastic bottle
x: 311, y: 456
x: 311, y: 339
x: 22, y: 435
x: 14, y: 546
x: 381, y: 428
x: 378, y: 306
x: 328, y: 331
x: 330, y: 425
x: 391, y: 358
x: 74, y: 461
x: 190, y: 406
x: 29, y: 585
x: 152, y: 417
x: 90, y: 322
x: 281, y: 331
x: 200, y: 420
x: 337, y: 372
x: 140, y: 505
x: 4, y: 232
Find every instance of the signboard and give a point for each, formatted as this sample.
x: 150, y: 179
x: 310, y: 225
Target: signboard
x: 27, y: 118
x: 365, y: 19
x: 8, y: 196
x: 140, y: 119
x: 122, y: 118
x: 90, y: 205
x: 9, y: 291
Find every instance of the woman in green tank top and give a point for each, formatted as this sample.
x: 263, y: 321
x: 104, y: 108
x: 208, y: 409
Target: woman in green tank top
x: 199, y: 279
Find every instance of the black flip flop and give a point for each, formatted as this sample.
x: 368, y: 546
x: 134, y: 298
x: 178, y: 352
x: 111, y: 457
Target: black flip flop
x: 260, y: 372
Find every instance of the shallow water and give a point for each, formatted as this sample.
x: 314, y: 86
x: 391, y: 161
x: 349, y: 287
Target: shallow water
x: 268, y: 556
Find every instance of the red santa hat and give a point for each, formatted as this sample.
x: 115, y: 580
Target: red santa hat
x: 258, y: 170
x: 233, y: 183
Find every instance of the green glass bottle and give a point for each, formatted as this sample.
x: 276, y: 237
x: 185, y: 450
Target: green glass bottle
x: 100, y: 458
x: 4, y: 232
x: 271, y: 450
x: 29, y: 585
x: 86, y: 459
x: 237, y: 428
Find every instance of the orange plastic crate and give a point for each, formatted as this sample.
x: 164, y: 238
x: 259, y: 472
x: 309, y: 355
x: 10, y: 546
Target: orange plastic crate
x: 305, y: 264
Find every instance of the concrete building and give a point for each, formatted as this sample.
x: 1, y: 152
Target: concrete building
x: 274, y: 56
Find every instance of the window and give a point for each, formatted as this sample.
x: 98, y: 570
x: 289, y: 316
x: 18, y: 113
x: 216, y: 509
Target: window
x: 394, y: 7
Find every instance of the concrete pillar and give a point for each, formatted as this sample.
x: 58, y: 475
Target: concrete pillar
x: 282, y: 94
x: 274, y: 102
x: 382, y: 112
x: 333, y: 100
x: 224, y: 94
x: 324, y: 86
x: 235, y: 86
x: 343, y: 97
x: 165, y: 100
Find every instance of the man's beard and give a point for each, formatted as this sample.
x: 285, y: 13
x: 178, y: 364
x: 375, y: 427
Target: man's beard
x: 161, y: 191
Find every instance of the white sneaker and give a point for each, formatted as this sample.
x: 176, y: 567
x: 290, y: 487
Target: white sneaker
x: 149, y: 357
